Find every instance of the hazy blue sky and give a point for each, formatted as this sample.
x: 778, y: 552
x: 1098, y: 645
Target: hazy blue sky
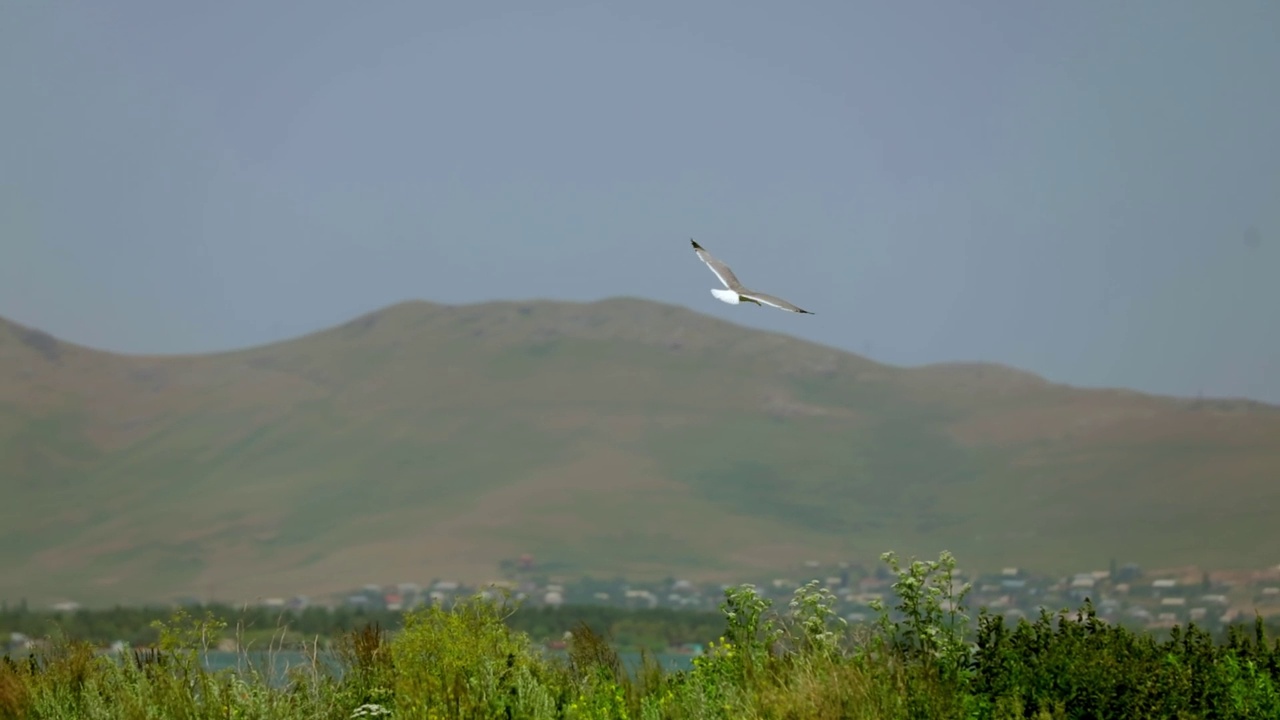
x: 1068, y: 187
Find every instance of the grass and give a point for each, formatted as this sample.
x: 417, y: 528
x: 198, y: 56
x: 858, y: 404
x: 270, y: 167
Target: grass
x: 438, y: 441
x: 923, y: 658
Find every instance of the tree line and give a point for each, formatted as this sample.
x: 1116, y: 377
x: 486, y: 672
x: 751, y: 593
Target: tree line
x: 656, y: 629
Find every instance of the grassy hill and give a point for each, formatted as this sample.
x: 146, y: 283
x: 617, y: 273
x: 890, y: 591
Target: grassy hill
x: 616, y: 437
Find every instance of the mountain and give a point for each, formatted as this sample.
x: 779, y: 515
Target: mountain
x: 620, y: 437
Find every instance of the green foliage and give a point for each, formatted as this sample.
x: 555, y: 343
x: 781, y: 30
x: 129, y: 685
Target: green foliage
x: 655, y: 628
x: 466, y: 662
x: 801, y: 661
x: 1084, y: 667
x: 929, y: 631
x: 812, y: 609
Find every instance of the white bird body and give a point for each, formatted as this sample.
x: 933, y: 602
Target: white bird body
x: 725, y: 295
x: 734, y: 292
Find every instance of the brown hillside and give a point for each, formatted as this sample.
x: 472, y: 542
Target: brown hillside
x: 616, y: 437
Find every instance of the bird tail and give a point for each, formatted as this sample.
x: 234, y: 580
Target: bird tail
x: 724, y: 295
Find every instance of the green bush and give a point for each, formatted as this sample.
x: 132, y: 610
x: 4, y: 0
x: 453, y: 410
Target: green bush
x: 801, y: 661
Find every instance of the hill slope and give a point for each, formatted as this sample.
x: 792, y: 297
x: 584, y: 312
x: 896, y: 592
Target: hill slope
x: 617, y: 437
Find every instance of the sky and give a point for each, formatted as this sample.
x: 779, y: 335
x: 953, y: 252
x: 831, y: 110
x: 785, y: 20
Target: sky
x: 1086, y: 190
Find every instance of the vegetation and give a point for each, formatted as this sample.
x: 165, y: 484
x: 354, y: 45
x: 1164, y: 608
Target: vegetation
x: 656, y: 629
x: 796, y: 662
x: 628, y: 447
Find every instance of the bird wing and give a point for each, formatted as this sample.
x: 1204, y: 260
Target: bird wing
x: 774, y: 301
x: 721, y: 270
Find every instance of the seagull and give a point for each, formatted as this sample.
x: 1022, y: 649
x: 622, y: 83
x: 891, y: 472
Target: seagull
x: 735, y: 292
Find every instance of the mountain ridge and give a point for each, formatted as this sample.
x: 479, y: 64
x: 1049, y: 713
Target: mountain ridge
x: 960, y: 367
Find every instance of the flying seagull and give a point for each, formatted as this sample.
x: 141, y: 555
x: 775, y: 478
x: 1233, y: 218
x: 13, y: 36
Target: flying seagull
x: 735, y: 292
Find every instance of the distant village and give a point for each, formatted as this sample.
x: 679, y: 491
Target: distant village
x: 1125, y: 594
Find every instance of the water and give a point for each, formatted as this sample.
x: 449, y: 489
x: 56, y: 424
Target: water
x: 276, y: 665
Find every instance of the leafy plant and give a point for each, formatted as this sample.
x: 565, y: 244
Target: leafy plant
x: 467, y: 661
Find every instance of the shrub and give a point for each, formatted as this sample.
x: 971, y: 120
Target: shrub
x: 802, y: 661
